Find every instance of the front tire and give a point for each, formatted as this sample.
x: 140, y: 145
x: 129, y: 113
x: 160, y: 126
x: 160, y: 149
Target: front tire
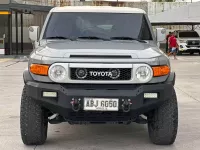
x: 163, y: 122
x: 33, y: 121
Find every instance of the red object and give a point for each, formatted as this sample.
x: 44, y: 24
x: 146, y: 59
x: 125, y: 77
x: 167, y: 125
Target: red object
x: 168, y: 36
x: 172, y: 42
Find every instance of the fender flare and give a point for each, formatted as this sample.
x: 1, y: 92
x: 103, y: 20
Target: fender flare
x: 27, y: 76
x: 171, y: 79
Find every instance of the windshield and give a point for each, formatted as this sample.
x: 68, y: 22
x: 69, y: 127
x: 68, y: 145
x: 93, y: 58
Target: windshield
x: 188, y: 34
x: 64, y: 25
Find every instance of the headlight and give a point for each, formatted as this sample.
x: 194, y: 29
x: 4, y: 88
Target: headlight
x: 143, y: 74
x: 81, y: 73
x: 57, y: 73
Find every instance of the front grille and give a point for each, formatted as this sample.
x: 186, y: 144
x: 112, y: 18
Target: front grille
x: 192, y: 46
x: 125, y: 74
x: 193, y: 42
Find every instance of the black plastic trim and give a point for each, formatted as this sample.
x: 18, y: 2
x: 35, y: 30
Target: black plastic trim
x: 171, y: 79
x: 27, y: 76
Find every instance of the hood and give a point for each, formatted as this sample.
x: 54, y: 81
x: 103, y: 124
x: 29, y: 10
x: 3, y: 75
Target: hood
x: 65, y: 49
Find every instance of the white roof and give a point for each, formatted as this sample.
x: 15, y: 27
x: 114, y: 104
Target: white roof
x: 102, y: 9
x: 184, y: 15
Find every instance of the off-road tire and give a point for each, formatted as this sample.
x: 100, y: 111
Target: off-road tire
x: 33, y: 121
x: 163, y: 122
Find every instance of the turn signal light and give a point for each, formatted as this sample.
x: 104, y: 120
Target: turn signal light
x: 160, y: 71
x: 39, y: 69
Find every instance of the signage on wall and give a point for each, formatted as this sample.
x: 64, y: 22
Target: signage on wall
x: 4, y: 13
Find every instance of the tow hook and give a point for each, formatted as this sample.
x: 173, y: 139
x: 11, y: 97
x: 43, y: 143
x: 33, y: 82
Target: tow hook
x: 76, y: 105
x: 55, y: 119
x: 126, y: 105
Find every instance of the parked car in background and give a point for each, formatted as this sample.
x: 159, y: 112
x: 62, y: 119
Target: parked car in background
x: 188, y: 41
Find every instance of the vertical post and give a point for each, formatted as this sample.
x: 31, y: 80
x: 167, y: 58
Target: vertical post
x: 192, y: 27
x: 10, y: 34
x: 16, y: 25
x: 22, y: 42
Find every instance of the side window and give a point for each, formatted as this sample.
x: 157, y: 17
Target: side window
x: 145, y: 33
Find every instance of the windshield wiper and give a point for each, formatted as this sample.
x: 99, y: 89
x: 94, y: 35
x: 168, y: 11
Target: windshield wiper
x: 126, y: 38
x: 58, y: 37
x: 93, y: 38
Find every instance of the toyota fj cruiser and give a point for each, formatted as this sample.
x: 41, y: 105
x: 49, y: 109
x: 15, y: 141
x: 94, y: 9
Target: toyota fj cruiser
x: 98, y: 65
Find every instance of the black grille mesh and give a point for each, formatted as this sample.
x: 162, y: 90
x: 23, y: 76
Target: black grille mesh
x: 125, y: 74
x: 193, y: 42
x: 100, y: 116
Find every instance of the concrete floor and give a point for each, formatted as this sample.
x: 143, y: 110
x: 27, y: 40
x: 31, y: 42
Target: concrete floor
x: 102, y: 137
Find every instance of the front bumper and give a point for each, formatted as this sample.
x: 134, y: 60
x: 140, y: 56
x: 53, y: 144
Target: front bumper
x: 186, y: 48
x: 65, y: 93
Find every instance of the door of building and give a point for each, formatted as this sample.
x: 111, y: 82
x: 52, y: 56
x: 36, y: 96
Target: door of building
x: 3, y: 33
x: 2, y: 46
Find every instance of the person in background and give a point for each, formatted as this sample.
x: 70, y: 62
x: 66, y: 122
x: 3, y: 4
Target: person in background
x: 173, y: 45
x: 167, y: 42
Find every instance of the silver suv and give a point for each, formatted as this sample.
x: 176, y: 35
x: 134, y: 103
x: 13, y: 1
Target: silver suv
x: 98, y: 65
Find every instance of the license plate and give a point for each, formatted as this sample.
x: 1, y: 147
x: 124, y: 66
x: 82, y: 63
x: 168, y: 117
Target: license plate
x: 101, y: 104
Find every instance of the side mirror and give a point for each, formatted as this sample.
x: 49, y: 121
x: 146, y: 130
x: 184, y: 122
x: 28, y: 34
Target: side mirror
x: 160, y: 34
x: 34, y: 32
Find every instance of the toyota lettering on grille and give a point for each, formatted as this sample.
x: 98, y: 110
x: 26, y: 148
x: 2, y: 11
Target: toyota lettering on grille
x: 101, y: 74
x: 112, y: 73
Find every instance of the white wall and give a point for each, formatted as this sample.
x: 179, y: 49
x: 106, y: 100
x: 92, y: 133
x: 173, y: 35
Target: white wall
x: 156, y: 7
